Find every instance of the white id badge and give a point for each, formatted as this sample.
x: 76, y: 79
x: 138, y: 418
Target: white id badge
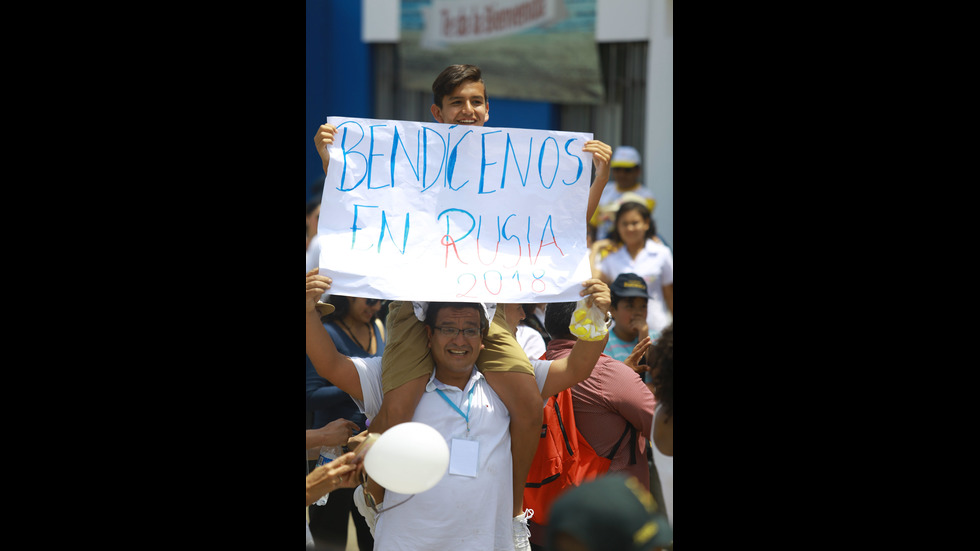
x: 463, y: 457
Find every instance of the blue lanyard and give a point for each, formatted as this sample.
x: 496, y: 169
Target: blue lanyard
x: 469, y: 402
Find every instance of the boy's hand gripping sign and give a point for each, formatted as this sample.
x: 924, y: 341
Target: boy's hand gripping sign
x: 439, y: 212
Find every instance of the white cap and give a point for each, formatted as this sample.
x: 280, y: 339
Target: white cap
x: 625, y: 156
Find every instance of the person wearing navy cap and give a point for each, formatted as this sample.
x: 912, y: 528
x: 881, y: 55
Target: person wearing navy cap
x: 629, y: 313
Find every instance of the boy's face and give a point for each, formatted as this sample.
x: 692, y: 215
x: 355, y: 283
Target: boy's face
x: 630, y: 313
x: 466, y: 104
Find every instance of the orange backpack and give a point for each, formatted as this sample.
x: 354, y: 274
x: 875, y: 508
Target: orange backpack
x: 564, y: 458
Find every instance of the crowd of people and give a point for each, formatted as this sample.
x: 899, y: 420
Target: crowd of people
x: 480, y: 373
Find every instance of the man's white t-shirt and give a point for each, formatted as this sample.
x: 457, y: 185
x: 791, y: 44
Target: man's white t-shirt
x: 460, y: 512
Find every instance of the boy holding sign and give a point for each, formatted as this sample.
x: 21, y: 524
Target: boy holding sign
x: 459, y: 98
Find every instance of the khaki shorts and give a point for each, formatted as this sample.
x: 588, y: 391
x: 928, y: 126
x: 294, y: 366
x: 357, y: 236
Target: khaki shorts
x: 407, y: 356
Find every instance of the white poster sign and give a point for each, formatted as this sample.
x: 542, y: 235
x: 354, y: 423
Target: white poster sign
x: 438, y: 212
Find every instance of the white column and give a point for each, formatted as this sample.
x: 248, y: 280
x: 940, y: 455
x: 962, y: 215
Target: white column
x: 658, y: 159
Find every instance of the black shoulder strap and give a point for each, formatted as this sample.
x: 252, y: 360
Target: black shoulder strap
x: 632, y: 432
x: 561, y: 425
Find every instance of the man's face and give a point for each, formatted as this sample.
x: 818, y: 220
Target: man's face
x: 626, y: 177
x: 466, y: 104
x: 457, y: 353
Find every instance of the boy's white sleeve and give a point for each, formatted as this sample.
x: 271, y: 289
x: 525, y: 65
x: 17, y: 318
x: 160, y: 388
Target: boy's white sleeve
x: 369, y: 369
x: 541, y: 368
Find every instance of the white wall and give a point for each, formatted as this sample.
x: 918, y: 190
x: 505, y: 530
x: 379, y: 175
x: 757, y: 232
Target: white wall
x: 653, y: 21
x: 381, y: 20
x: 658, y: 159
x: 622, y: 20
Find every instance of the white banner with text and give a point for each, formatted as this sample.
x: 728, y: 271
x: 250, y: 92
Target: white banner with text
x: 438, y: 212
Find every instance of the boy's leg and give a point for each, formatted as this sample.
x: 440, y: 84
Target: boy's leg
x: 406, y: 366
x: 508, y: 370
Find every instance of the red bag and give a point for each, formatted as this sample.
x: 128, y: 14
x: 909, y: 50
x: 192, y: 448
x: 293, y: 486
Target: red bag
x: 564, y: 458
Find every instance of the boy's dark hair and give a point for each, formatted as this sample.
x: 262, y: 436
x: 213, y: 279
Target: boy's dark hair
x: 434, y: 307
x: 557, y: 318
x: 615, y: 299
x: 453, y: 76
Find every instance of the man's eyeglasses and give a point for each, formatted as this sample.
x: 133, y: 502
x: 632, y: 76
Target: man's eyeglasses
x: 372, y: 301
x: 452, y: 332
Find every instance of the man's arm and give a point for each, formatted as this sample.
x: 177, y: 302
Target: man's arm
x: 574, y: 368
x: 630, y: 397
x: 577, y: 366
x: 328, y: 361
x: 323, y: 138
x: 601, y: 154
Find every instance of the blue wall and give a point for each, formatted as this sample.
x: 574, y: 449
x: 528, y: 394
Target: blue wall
x: 534, y: 115
x: 338, y: 72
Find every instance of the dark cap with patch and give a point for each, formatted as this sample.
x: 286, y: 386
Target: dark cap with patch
x: 629, y: 285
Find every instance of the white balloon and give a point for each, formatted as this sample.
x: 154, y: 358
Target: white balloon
x: 408, y: 458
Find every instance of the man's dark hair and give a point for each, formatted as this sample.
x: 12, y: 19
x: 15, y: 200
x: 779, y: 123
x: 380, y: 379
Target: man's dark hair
x: 453, y: 76
x: 557, y: 318
x: 434, y: 307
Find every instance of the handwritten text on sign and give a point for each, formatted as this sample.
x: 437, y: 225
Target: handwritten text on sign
x: 430, y: 211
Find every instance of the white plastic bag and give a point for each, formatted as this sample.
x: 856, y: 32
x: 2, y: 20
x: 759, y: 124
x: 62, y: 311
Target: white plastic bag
x: 588, y: 322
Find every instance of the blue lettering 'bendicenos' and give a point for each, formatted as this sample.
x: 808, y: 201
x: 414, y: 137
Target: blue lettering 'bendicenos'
x: 541, y: 162
x: 579, y: 159
x: 425, y: 155
x: 394, y: 152
x: 527, y: 166
x: 371, y: 156
x: 452, y: 161
x: 483, y: 160
x: 346, y: 152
